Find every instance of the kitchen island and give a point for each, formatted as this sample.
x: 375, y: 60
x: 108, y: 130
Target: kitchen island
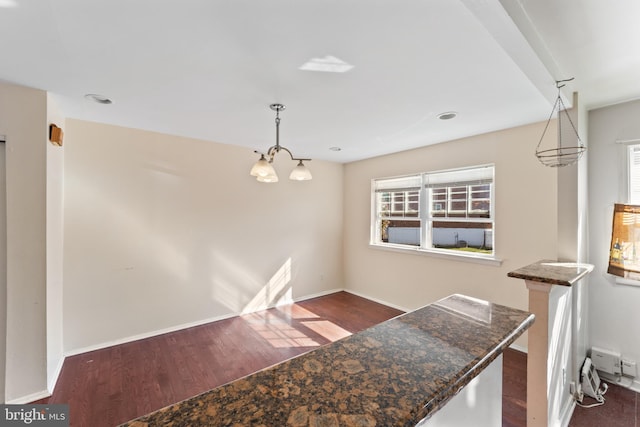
x: 397, y: 373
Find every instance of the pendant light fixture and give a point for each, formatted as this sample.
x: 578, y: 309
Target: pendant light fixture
x: 263, y: 169
x: 565, y: 153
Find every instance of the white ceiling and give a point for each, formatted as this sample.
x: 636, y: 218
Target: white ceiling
x: 209, y: 69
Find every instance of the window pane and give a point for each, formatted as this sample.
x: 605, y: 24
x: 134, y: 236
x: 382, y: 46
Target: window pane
x: 413, y: 203
x: 463, y: 236
x: 458, y: 206
x: 458, y: 193
x: 399, y: 204
x: 397, y: 207
x: 401, y: 232
x: 383, y: 204
x: 472, y: 201
x: 439, y: 202
x: 454, y: 204
x: 439, y: 193
x: 480, y: 194
x: 480, y: 209
x: 482, y: 187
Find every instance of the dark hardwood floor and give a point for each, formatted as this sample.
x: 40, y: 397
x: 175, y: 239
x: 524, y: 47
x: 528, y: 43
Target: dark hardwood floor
x: 621, y: 409
x: 113, y: 385
x: 514, y: 389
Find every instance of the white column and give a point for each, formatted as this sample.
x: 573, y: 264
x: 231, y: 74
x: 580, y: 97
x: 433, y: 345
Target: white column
x: 538, y: 352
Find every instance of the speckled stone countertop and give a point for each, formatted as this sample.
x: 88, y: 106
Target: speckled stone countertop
x: 393, y: 374
x: 553, y: 272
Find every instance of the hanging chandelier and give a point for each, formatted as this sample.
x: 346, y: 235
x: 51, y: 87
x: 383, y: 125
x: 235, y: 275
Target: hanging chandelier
x: 564, y: 153
x: 263, y: 169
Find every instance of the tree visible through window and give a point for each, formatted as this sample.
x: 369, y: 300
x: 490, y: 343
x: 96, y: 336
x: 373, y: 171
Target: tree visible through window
x: 450, y: 210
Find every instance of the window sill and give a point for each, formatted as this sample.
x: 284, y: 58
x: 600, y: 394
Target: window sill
x: 477, y: 259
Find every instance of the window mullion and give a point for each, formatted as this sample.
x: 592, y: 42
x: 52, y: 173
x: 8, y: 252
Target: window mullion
x: 425, y: 214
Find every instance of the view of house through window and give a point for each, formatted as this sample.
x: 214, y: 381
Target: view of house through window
x: 448, y: 211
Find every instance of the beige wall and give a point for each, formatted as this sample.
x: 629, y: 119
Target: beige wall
x: 23, y: 121
x: 162, y: 231
x: 613, y: 313
x: 525, y: 229
x: 55, y: 218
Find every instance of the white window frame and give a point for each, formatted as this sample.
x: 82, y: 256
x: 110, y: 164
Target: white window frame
x: 633, y: 175
x: 476, y: 175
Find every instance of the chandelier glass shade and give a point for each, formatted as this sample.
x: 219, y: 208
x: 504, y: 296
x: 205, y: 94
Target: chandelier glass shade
x: 263, y: 169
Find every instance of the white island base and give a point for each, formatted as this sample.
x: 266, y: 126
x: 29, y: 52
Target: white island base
x: 478, y: 404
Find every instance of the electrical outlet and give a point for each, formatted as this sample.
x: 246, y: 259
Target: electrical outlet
x: 629, y: 368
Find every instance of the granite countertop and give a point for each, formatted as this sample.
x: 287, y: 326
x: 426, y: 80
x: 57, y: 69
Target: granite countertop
x: 393, y: 374
x: 553, y: 272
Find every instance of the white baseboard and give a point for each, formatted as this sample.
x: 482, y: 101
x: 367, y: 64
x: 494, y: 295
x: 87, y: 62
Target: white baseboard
x: 379, y: 301
x: 567, y: 411
x: 626, y: 382
x: 175, y: 328
x: 319, y: 294
x: 29, y: 398
x: 51, y: 385
x: 150, y: 334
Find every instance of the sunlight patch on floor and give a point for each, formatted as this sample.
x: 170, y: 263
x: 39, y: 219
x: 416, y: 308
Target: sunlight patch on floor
x: 278, y: 332
x: 327, y: 329
x: 294, y: 311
